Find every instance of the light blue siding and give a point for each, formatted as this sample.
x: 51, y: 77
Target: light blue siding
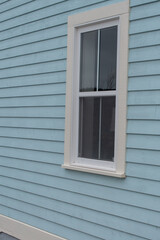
x: 33, y: 187
x: 145, y: 39
x: 143, y: 149
x: 134, y: 3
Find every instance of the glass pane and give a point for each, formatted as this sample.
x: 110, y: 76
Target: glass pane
x: 97, y: 128
x: 108, y: 59
x: 107, y: 128
x: 88, y: 67
x: 89, y: 127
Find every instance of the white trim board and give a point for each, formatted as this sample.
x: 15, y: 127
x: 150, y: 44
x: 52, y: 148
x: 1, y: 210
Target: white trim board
x: 24, y: 231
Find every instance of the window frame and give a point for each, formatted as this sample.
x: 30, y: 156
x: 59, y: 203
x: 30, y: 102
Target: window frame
x: 95, y: 19
x: 86, y: 162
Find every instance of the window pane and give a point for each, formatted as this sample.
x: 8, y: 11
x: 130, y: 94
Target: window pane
x: 97, y: 128
x: 89, y: 127
x: 88, y: 68
x: 107, y: 128
x: 108, y: 58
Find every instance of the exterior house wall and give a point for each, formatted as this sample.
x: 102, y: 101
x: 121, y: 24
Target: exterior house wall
x: 34, y: 189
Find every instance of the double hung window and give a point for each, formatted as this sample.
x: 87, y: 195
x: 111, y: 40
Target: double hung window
x: 96, y: 91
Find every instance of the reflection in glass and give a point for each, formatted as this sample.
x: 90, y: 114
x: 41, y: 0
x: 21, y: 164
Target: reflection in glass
x: 88, y: 65
x: 107, y: 128
x: 88, y: 127
x: 108, y: 59
x: 97, y: 128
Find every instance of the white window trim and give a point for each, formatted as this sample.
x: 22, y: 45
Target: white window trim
x: 108, y: 14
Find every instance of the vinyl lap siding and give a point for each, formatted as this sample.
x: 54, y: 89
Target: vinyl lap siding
x: 143, y: 136
x: 34, y: 188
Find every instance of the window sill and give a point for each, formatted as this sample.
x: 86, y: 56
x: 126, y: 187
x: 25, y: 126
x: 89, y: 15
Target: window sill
x: 95, y: 171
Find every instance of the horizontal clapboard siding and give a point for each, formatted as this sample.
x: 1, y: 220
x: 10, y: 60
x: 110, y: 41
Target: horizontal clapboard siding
x: 53, y: 203
x: 32, y: 164
x: 32, y: 80
x: 134, y: 3
x: 32, y: 122
x: 30, y: 49
x: 34, y: 188
x: 103, y: 229
x: 143, y: 135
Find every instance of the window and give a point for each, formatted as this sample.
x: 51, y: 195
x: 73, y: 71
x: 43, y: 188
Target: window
x: 96, y: 90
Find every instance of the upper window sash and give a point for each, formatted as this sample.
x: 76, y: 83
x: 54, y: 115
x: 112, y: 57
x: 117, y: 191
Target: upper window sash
x: 98, y: 59
x: 94, y: 57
